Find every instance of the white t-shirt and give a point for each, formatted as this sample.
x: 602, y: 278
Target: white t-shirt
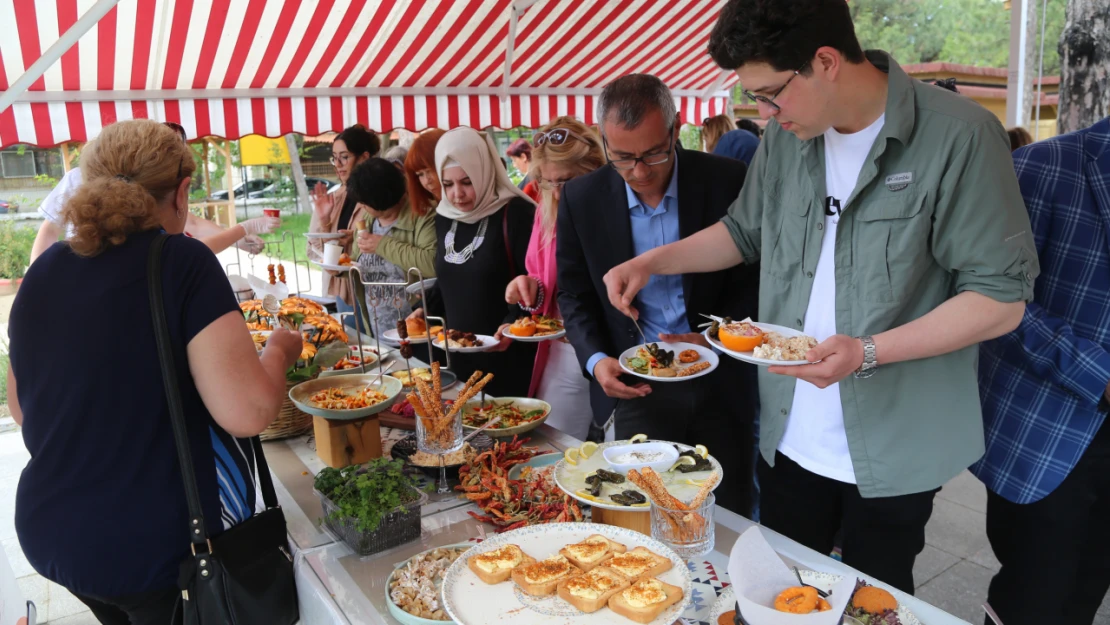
x: 815, y: 436
x: 51, y: 207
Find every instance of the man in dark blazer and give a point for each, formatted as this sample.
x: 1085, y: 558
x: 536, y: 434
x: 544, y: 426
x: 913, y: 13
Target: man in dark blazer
x: 653, y: 193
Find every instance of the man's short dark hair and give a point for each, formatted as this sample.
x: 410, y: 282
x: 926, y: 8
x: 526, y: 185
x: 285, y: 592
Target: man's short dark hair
x: 782, y: 33
x: 749, y: 125
x: 629, y: 98
x: 376, y: 183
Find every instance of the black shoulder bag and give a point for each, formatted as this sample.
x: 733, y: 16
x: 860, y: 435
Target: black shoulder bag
x: 244, y: 576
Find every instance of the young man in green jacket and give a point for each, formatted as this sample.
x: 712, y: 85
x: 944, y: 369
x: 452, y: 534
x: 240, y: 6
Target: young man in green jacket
x: 888, y: 224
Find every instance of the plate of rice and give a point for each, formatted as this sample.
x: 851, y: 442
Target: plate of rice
x: 781, y: 347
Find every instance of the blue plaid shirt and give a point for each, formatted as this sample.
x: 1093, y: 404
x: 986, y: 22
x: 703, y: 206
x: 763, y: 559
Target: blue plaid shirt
x: 1043, y: 385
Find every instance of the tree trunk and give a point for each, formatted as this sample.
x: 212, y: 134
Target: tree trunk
x: 1084, y: 65
x: 1032, y: 36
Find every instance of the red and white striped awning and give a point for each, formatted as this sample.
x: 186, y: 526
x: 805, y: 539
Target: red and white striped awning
x: 231, y: 68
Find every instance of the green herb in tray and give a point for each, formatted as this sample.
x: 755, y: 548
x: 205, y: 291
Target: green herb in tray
x: 368, y: 492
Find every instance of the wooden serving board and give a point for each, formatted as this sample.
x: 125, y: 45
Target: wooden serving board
x: 390, y: 420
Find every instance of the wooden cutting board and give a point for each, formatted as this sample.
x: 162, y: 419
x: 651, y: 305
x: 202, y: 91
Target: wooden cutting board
x: 390, y: 420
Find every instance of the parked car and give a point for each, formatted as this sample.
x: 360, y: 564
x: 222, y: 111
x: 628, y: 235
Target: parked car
x: 286, y: 186
x: 8, y: 206
x: 242, y: 188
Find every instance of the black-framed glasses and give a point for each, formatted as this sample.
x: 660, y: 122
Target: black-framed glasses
x: 557, y: 136
x: 771, y: 100
x: 655, y: 158
x: 342, y: 158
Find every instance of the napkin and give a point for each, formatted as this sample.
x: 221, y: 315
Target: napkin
x: 758, y: 575
x: 262, y: 288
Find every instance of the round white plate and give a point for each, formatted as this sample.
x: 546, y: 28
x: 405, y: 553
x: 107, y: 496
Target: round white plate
x: 470, y: 601
x: 535, y: 339
x: 764, y: 362
x: 323, y: 235
x: 572, y: 478
x: 707, y: 355
x: 337, y: 268
x: 488, y: 343
x: 392, y: 337
x: 825, y: 581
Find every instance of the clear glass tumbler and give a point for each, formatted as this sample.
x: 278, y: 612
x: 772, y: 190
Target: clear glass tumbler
x: 689, y: 532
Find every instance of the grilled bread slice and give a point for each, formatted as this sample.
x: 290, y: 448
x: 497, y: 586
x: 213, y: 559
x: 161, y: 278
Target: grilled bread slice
x: 494, y: 567
x: 542, y: 578
x: 640, y: 562
x: 645, y: 599
x: 592, y: 552
x: 591, y: 591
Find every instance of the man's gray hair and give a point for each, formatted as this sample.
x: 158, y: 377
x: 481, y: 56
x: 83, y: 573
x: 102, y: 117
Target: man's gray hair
x: 629, y: 98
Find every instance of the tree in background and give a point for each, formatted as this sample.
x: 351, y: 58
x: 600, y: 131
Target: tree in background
x: 1085, y: 57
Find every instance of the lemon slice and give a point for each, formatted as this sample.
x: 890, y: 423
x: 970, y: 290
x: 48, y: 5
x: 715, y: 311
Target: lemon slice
x: 698, y: 483
x: 702, y: 451
x: 571, y: 455
x: 587, y: 449
x: 639, y: 438
x: 587, y: 496
x: 683, y: 460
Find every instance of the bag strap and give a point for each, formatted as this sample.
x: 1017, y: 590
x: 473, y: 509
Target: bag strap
x: 505, y: 238
x: 198, y: 534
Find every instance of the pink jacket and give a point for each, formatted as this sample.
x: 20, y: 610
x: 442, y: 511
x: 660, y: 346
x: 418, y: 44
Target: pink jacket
x: 539, y: 262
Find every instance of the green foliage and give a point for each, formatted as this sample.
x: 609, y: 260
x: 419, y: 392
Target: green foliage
x: 367, y: 493
x: 15, y: 248
x: 5, y: 362
x: 294, y: 225
x: 690, y: 136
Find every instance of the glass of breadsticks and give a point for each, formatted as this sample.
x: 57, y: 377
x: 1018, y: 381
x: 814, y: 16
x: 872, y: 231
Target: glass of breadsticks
x: 686, y: 527
x: 438, y: 425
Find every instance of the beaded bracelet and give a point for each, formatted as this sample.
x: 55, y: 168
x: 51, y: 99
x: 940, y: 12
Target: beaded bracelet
x: 539, y: 299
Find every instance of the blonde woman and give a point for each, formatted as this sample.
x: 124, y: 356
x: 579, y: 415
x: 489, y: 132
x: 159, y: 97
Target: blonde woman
x: 562, y: 150
x: 713, y: 128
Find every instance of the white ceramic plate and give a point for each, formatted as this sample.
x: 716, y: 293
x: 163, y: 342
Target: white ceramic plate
x: 470, y: 601
x: 572, y: 478
x: 706, y: 355
x: 488, y: 343
x: 536, y: 339
x: 763, y: 362
x: 392, y: 337
x: 825, y: 581
x: 337, y: 268
x: 323, y: 235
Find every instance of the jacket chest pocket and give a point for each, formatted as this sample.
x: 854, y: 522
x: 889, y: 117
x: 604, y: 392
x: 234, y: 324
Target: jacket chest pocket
x: 892, y: 247
x: 786, y: 235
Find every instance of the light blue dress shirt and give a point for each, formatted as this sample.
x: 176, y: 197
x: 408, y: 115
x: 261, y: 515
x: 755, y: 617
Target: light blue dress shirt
x: 661, y: 304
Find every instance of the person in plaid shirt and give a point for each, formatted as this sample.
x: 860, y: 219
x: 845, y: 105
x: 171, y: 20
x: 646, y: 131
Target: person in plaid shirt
x: 1044, y: 390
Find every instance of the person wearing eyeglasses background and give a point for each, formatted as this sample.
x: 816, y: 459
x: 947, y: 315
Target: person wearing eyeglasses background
x: 650, y: 194
x: 563, y: 150
x: 335, y: 212
x: 890, y: 227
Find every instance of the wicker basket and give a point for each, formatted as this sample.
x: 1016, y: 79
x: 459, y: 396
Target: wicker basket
x: 291, y: 421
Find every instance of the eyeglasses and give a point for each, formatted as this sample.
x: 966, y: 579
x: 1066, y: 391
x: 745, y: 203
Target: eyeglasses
x: 552, y: 185
x: 771, y: 100
x: 342, y: 158
x: 557, y: 136
x: 178, y: 128
x: 655, y: 158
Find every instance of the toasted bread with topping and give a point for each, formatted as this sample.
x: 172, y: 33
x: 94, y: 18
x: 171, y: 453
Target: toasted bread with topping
x: 640, y: 562
x: 645, y: 599
x: 591, y: 591
x: 592, y: 552
x: 542, y: 578
x: 494, y: 567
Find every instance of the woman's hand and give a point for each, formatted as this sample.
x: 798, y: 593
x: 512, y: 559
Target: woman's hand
x: 522, y: 290
x: 416, y: 314
x: 323, y: 203
x: 345, y: 240
x: 503, y: 341
x: 288, y: 344
x: 368, y: 243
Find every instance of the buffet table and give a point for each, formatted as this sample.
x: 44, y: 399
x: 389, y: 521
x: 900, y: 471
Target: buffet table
x: 336, y: 586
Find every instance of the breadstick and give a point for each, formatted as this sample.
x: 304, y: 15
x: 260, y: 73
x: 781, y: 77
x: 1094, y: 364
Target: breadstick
x: 469, y: 394
x: 704, y: 491
x: 416, y: 404
x: 437, y: 381
x: 430, y: 403
x: 474, y: 377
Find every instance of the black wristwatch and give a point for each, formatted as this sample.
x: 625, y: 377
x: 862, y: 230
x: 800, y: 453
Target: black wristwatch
x: 870, y: 362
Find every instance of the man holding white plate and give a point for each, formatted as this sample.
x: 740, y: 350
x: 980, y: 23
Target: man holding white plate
x: 889, y: 226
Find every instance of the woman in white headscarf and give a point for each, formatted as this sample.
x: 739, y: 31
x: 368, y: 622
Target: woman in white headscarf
x: 483, y: 225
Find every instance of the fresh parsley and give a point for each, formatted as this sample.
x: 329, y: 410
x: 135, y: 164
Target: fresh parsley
x: 368, y: 493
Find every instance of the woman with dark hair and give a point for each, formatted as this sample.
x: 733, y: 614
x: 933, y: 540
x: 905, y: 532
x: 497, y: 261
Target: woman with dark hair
x: 392, y: 239
x: 520, y: 153
x: 1019, y: 137
x: 483, y: 225
x: 421, y: 179
x: 334, y: 212
x: 101, y: 508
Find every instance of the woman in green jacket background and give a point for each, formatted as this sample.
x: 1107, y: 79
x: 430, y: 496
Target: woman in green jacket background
x: 392, y: 237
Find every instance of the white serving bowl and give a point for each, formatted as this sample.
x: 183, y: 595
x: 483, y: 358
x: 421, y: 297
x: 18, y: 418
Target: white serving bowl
x: 668, y: 455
